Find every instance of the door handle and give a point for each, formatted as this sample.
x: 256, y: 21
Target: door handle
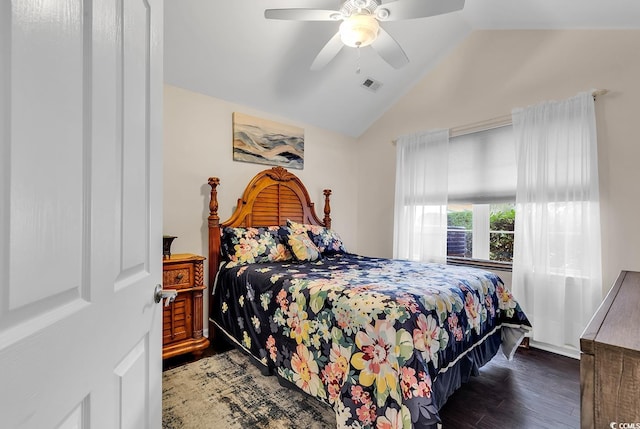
x: 169, y: 295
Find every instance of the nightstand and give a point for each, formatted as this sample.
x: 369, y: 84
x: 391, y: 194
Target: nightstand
x: 182, y: 319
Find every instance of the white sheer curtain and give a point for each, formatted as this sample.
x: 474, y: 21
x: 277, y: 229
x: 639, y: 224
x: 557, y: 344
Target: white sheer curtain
x: 420, y: 221
x: 557, y: 275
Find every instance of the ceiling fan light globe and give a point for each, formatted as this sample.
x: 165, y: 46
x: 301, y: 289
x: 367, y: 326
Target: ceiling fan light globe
x: 359, y: 30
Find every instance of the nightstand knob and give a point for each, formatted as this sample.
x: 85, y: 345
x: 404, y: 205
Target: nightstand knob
x: 179, y: 276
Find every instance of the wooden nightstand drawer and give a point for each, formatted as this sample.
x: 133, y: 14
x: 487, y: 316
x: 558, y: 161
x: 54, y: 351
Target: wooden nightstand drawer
x: 178, y: 276
x: 182, y: 319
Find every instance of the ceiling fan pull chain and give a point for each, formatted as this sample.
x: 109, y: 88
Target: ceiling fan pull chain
x: 358, y: 60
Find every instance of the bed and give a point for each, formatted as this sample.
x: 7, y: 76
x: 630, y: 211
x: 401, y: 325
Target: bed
x: 383, y: 342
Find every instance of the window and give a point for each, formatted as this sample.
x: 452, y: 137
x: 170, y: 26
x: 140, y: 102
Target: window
x: 481, y: 196
x: 481, y: 231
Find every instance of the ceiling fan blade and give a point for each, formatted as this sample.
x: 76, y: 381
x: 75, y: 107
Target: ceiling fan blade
x: 390, y: 51
x: 411, y: 9
x: 328, y: 52
x: 303, y: 14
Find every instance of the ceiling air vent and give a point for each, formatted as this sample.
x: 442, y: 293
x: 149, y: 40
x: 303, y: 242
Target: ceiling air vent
x: 371, y: 84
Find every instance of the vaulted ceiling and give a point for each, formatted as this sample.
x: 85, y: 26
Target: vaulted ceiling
x: 228, y: 50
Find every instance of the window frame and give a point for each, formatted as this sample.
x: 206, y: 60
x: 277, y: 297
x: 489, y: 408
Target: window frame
x: 480, y: 263
x: 481, y: 229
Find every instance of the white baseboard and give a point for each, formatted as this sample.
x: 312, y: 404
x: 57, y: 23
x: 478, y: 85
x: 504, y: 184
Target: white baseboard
x: 564, y: 351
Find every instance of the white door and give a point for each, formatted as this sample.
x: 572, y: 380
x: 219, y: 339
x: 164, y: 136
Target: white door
x: 80, y: 213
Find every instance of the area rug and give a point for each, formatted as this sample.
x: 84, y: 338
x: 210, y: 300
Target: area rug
x: 227, y: 391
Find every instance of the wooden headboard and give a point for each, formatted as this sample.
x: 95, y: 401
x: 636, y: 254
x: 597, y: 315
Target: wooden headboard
x: 270, y: 198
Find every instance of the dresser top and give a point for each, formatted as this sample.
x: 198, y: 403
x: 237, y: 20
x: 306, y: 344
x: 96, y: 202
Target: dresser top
x: 617, y: 321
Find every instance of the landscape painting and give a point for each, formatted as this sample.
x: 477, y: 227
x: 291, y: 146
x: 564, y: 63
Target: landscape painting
x: 266, y: 142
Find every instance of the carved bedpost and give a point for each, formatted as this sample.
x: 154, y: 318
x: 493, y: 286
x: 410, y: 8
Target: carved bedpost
x: 327, y: 208
x: 214, y: 244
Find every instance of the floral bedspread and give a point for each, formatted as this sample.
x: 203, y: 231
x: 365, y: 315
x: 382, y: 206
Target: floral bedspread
x: 368, y: 336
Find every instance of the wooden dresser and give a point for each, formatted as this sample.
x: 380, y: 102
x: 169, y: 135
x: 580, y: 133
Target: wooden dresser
x: 610, y: 358
x: 182, y: 319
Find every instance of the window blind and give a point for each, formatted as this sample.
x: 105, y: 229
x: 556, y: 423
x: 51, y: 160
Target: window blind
x: 482, y: 167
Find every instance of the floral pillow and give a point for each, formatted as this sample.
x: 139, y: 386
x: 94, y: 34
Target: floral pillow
x: 255, y: 245
x: 302, y: 247
x: 325, y: 239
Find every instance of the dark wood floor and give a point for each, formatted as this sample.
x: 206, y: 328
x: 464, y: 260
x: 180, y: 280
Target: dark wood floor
x: 536, y: 390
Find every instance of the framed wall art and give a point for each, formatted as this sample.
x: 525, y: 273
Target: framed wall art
x: 267, y: 142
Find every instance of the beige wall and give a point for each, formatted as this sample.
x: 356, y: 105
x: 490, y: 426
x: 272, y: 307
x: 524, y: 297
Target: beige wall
x: 198, y: 144
x: 492, y: 72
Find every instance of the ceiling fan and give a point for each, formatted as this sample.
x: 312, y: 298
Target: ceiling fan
x: 360, y: 25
